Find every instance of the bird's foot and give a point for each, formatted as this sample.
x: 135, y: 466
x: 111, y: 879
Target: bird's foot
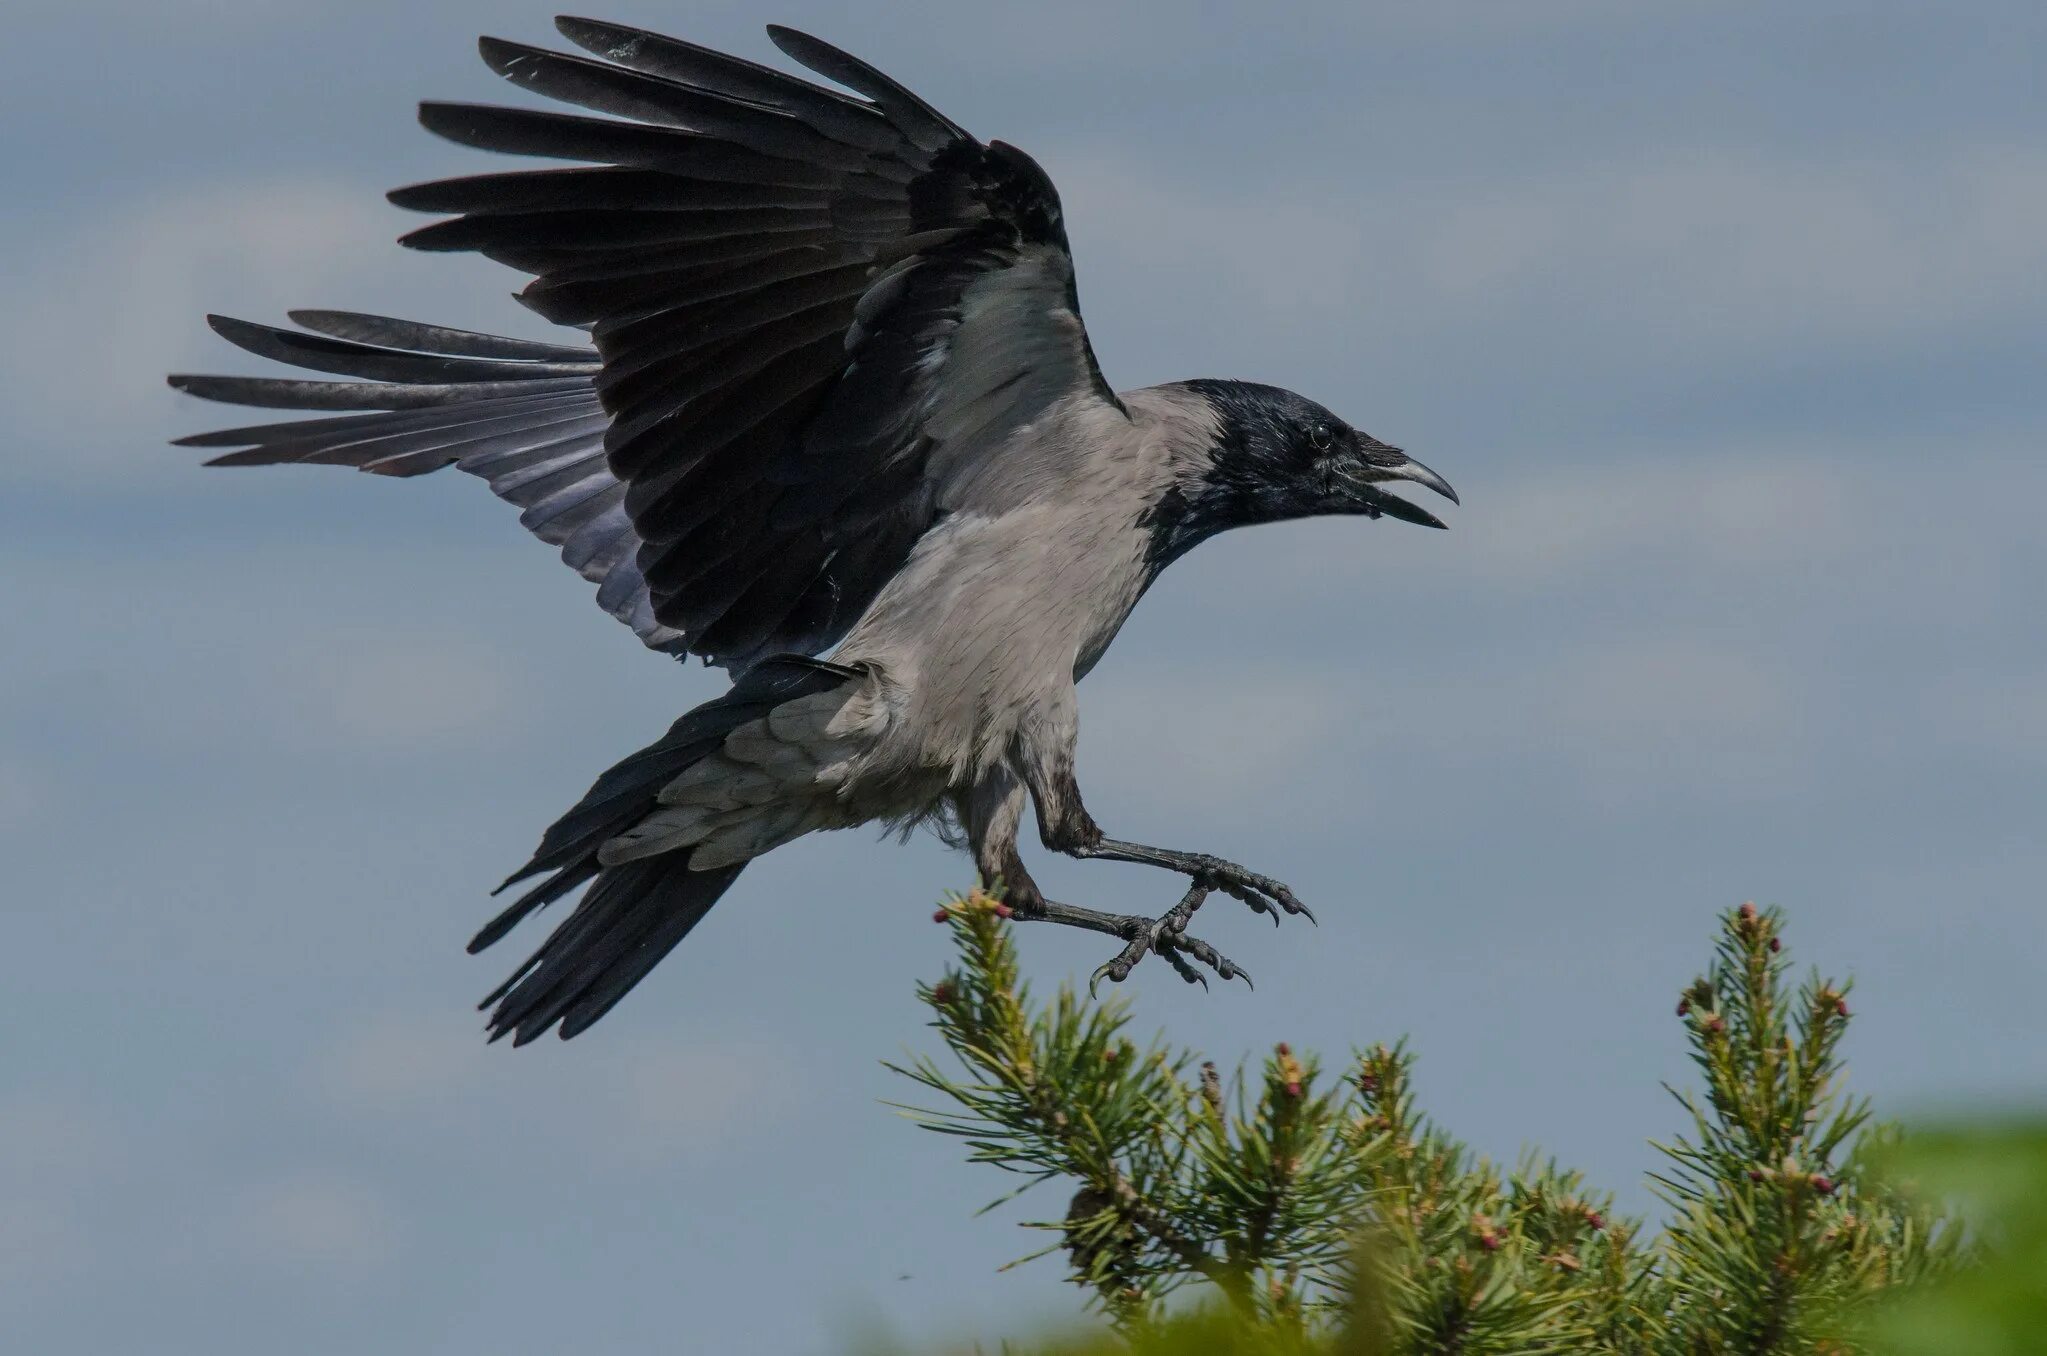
x: 1167, y: 936
x: 1262, y: 893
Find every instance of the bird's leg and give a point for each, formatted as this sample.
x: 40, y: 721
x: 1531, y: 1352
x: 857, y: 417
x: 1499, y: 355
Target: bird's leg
x: 991, y: 813
x: 1165, y: 935
x: 1264, y: 894
x: 1066, y: 826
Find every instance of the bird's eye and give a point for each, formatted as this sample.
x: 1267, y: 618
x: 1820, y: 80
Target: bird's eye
x: 1319, y: 437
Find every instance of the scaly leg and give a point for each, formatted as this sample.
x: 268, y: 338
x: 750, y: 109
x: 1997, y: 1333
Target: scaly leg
x: 1166, y: 935
x: 1264, y: 894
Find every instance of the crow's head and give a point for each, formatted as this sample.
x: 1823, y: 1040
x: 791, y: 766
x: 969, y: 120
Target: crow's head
x: 1278, y: 455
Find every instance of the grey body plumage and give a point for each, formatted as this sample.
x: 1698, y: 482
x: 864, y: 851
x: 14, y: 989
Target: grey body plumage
x: 839, y: 399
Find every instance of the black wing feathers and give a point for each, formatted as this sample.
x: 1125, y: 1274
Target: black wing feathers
x: 924, y: 125
x: 409, y: 334
x: 771, y: 271
x: 522, y: 415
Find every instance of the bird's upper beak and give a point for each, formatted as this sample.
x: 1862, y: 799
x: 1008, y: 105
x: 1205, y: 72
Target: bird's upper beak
x: 1390, y: 463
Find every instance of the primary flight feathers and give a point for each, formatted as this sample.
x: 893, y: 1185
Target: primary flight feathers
x: 771, y: 273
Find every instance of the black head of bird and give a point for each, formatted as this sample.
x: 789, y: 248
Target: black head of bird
x: 1279, y: 456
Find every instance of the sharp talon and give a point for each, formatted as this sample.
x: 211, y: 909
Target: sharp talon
x: 1167, y: 935
x: 1179, y: 963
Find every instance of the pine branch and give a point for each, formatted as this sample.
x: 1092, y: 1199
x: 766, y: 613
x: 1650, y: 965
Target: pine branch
x: 1322, y: 1210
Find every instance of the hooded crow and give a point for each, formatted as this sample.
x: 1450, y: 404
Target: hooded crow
x: 832, y: 393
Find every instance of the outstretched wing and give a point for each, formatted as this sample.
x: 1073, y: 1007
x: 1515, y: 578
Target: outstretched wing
x: 813, y: 312
x: 523, y: 416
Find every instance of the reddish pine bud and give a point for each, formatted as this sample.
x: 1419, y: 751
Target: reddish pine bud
x: 942, y: 916
x: 1594, y: 1221
x: 1755, y: 1174
x: 1715, y: 1024
x: 1776, y: 944
x: 1748, y: 912
x: 1283, y: 1049
x: 1488, y: 1236
x: 1840, y: 1007
x: 941, y: 993
x: 1684, y: 1007
x: 1293, y: 1089
x: 1823, y: 1185
x: 1004, y: 911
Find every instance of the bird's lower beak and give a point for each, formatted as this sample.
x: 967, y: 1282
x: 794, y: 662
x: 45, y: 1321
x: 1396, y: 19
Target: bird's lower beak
x: 1377, y: 501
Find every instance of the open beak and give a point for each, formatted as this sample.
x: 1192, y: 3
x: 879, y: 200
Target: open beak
x: 1392, y: 506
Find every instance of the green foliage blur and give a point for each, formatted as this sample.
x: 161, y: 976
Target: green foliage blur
x: 1296, y: 1208
x: 1996, y: 1173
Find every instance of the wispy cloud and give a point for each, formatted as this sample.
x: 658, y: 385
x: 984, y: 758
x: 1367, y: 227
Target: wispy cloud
x: 54, y: 1156
x: 616, y: 1105
x: 1725, y: 251
x: 314, y: 1223
x: 119, y: 301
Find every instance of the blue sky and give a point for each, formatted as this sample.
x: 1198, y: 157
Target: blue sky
x: 1726, y: 320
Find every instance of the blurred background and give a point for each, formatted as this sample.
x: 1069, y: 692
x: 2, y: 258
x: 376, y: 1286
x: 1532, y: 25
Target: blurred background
x: 1726, y: 320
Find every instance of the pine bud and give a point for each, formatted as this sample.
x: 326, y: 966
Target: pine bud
x: 1822, y: 1184
x: 1748, y: 912
x: 942, y: 916
x: 1291, y: 1075
x: 1004, y: 911
x: 1716, y: 1024
x: 1488, y: 1236
x: 941, y: 993
x: 1684, y: 1007
x: 1594, y: 1221
x: 1776, y: 944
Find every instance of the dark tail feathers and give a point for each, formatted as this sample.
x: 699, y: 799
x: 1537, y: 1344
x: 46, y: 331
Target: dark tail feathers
x: 633, y: 914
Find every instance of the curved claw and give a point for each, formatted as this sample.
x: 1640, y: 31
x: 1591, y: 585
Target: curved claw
x: 1224, y: 967
x: 1261, y: 893
x: 1187, y: 972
